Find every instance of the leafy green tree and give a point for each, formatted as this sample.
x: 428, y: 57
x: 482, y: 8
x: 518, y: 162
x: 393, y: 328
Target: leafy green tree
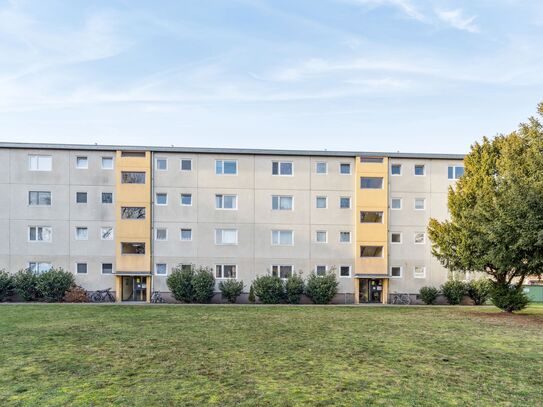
x: 496, y: 209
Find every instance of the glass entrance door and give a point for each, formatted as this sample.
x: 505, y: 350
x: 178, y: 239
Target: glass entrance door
x: 370, y: 290
x: 134, y: 289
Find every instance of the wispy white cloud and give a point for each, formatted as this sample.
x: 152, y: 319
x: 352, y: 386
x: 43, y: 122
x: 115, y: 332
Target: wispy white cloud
x: 457, y: 19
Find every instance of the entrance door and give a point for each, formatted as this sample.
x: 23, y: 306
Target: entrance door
x: 370, y: 290
x: 134, y: 289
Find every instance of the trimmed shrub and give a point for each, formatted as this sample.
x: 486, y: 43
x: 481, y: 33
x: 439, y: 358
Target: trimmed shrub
x: 53, y: 284
x: 294, y: 288
x: 203, y: 284
x: 252, y: 298
x: 454, y: 291
x: 269, y: 289
x: 231, y: 290
x: 509, y: 298
x: 180, y: 283
x: 6, y: 284
x: 479, y: 290
x: 76, y: 294
x: 428, y: 295
x: 26, y: 285
x: 322, y: 289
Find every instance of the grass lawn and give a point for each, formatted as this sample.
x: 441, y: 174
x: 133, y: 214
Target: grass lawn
x: 63, y: 355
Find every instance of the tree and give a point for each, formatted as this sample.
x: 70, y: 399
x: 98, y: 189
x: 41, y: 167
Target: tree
x: 496, y: 209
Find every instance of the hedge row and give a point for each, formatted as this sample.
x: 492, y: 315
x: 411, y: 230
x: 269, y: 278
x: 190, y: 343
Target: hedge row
x: 50, y: 286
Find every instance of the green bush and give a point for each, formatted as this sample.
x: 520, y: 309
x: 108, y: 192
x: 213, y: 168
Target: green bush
x: 231, y: 290
x: 428, y: 295
x: 180, y: 283
x: 25, y: 283
x: 269, y: 289
x: 203, y: 285
x: 479, y: 290
x: 509, y: 298
x: 322, y: 289
x: 252, y: 298
x: 294, y: 288
x: 454, y: 291
x: 6, y: 284
x: 53, y: 284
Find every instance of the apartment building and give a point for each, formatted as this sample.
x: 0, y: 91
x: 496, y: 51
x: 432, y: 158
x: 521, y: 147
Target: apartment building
x: 123, y: 217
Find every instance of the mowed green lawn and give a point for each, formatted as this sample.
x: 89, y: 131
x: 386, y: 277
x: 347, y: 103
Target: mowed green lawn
x: 61, y: 355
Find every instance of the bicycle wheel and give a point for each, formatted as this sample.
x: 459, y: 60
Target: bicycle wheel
x: 96, y: 297
x: 406, y: 300
x: 110, y: 297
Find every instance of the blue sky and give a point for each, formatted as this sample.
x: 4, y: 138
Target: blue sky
x: 372, y: 75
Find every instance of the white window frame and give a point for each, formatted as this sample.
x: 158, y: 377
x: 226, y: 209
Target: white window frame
x: 325, y: 201
x: 102, y: 233
x: 156, y: 234
x: 86, y: 195
x: 423, y: 272
x: 401, y: 170
x: 278, y: 267
x: 279, y: 197
x: 280, y: 231
x: 415, y: 204
x: 222, y: 208
x: 396, y: 233
x: 82, y: 157
x: 423, y: 237
x: 165, y: 269
x: 42, y: 227
x: 102, y: 269
x: 181, y: 164
x: 222, y: 271
x: 107, y: 158
x: 345, y: 173
x: 181, y: 235
x: 222, y: 160
x: 77, y: 263
x: 37, y: 157
x: 38, y: 264
x: 345, y: 197
x: 279, y: 172
x: 317, y: 167
x: 222, y: 230
x: 454, y: 167
x: 50, y: 198
x: 81, y: 227
x: 181, y: 199
x: 396, y: 209
x: 350, y: 271
x: 423, y: 170
x: 350, y: 236
x: 326, y: 268
x: 161, y: 193
x: 317, y: 236
x: 157, y: 159
x: 102, y: 198
x: 401, y: 271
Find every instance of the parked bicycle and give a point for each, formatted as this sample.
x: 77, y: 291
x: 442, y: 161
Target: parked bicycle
x: 156, y: 298
x: 400, y: 299
x: 102, y: 296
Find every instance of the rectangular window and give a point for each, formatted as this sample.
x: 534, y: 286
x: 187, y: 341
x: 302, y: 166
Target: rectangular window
x: 396, y: 169
x: 280, y: 271
x: 345, y: 168
x: 225, y: 271
x: 396, y: 237
x: 132, y: 248
x: 419, y: 272
x: 161, y: 164
x: 81, y: 268
x: 420, y: 204
x: 81, y: 197
x: 282, y: 202
x: 455, y: 171
x: 226, y: 201
x: 396, y: 203
x: 321, y: 270
x: 133, y: 154
x: 40, y: 233
x: 81, y: 233
x: 371, y: 217
x: 371, y: 160
x: 371, y: 251
x: 321, y: 236
x: 282, y: 168
x: 226, y: 236
x: 161, y: 198
x: 226, y: 167
x: 371, y: 182
x: 40, y: 162
x: 81, y: 163
x: 345, y: 202
x: 345, y: 271
x: 419, y: 169
x: 186, y: 235
x: 39, y: 198
x: 345, y: 237
x: 107, y: 197
x: 396, y: 271
x: 186, y: 199
x: 132, y: 212
x: 132, y: 177
x: 186, y: 164
x: 420, y: 238
x: 161, y: 234
x: 282, y: 237
x: 321, y: 167
x: 107, y: 268
x: 39, y: 267
x: 321, y: 202
x: 106, y: 233
x: 161, y: 269
x: 107, y: 163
